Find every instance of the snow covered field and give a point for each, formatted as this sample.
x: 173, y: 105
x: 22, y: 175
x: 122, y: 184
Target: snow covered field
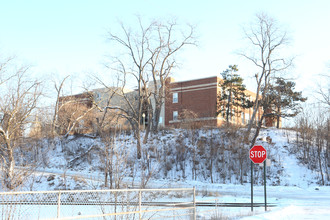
x: 292, y: 202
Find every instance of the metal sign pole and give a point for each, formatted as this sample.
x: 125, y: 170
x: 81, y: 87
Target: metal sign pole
x: 258, y: 154
x: 251, y: 186
x: 265, y: 185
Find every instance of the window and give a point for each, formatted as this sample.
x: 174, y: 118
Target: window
x: 175, y: 97
x: 160, y: 120
x: 175, y: 115
x: 247, y: 118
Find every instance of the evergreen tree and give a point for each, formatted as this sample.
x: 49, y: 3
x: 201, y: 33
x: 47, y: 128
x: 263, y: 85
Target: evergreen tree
x: 232, y: 98
x: 284, y: 101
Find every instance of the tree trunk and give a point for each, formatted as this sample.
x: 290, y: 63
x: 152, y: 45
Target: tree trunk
x: 278, y: 117
x: 138, y: 142
x: 255, y: 108
x: 111, y: 176
x: 156, y: 116
x: 257, y: 131
x: 106, y: 175
x: 228, y: 106
x: 319, y: 140
x: 320, y: 165
x: 9, y: 170
x: 146, y: 135
x: 277, y: 121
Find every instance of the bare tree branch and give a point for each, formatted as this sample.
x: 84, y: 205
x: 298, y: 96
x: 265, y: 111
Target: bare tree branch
x: 17, y: 104
x: 149, y: 57
x: 267, y: 40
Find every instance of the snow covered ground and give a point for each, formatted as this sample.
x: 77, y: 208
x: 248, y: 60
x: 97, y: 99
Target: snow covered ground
x: 292, y: 202
x: 296, y: 193
x: 298, y: 203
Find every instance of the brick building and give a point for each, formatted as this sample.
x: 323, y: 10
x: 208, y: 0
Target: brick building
x: 83, y: 110
x: 195, y: 101
x: 188, y: 103
x: 70, y: 108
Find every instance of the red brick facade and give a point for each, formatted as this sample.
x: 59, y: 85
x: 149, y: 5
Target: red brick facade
x: 199, y: 97
x: 195, y: 101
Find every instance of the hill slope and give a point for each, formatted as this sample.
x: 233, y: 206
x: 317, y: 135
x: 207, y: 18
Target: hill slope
x: 183, y: 156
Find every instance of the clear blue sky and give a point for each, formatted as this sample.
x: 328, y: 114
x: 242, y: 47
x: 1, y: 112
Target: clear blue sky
x: 60, y: 38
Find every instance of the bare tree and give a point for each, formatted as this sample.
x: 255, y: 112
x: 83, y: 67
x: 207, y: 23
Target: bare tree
x: 72, y: 112
x: 267, y: 40
x: 57, y: 103
x: 326, y: 96
x: 17, y: 103
x: 133, y: 64
x: 107, y: 119
x: 125, y: 104
x: 170, y: 40
x: 115, y: 160
x: 75, y: 114
x: 312, y: 143
x: 4, y: 77
x: 324, y: 93
x: 149, y: 57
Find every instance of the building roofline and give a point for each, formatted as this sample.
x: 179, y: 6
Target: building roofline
x: 191, y: 80
x: 195, y: 79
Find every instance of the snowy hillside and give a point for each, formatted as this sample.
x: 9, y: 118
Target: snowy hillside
x: 183, y: 156
x: 213, y: 160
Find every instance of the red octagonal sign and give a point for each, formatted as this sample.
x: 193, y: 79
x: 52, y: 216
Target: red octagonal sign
x: 258, y: 154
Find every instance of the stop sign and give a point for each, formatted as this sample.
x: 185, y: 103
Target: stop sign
x: 258, y: 154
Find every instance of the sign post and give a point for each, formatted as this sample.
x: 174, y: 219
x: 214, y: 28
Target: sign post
x: 258, y: 154
x: 265, y: 185
x: 251, y: 186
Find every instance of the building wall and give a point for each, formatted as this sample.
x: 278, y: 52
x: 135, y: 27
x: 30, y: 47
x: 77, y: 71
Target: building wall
x: 81, y: 103
x: 197, y: 102
x: 72, y: 107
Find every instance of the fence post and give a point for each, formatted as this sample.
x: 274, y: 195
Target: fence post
x: 140, y: 198
x: 194, y: 201
x: 59, y: 205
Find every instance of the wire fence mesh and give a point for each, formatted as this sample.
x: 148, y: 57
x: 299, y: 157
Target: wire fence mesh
x: 99, y: 204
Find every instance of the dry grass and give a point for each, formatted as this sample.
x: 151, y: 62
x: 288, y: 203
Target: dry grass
x: 79, y: 179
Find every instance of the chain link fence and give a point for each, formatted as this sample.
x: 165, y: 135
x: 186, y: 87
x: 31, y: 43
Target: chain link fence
x: 100, y: 204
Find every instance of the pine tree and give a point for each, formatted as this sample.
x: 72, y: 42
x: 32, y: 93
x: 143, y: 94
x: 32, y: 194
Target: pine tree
x: 232, y: 98
x: 284, y: 101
